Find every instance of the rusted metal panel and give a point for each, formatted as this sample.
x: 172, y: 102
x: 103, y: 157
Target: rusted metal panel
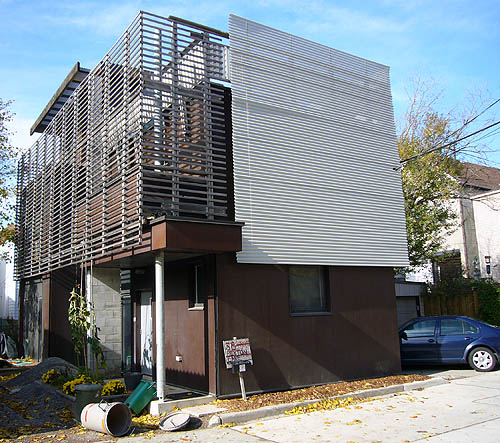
x: 203, y: 236
x: 46, y: 302
x: 159, y: 236
x: 357, y: 339
x: 62, y: 282
x: 186, y: 332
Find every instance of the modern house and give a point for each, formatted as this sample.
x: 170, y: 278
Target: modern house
x: 203, y: 185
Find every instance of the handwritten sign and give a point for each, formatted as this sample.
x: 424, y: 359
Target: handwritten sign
x: 237, y: 352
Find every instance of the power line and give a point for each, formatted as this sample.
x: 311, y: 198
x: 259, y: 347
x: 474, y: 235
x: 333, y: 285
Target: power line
x: 454, y: 142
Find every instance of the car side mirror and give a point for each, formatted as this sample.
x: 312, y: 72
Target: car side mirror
x: 403, y: 335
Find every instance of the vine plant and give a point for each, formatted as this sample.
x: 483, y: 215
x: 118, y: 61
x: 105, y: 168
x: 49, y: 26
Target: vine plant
x: 84, y: 332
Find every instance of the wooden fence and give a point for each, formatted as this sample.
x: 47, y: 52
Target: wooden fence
x: 452, y: 305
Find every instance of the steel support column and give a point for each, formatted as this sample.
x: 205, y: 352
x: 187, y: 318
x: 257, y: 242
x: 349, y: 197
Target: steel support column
x: 160, y: 325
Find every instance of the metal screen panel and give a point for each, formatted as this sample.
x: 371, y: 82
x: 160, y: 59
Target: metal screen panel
x: 314, y: 148
x: 142, y: 136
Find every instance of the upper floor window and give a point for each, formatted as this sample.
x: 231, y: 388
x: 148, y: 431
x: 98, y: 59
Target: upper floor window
x: 308, y: 289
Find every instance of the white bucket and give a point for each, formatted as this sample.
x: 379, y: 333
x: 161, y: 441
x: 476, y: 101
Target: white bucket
x: 110, y: 418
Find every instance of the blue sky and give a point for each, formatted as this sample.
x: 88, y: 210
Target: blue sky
x: 456, y: 43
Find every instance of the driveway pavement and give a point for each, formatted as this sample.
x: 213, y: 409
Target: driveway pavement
x: 467, y: 409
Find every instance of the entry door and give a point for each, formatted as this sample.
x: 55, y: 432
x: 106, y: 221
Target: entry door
x: 146, y: 334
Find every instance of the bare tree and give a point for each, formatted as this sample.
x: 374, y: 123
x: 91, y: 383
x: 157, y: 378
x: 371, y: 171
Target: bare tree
x: 432, y: 147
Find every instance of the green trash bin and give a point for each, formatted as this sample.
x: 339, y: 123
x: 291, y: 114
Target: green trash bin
x: 142, y: 395
x: 84, y: 395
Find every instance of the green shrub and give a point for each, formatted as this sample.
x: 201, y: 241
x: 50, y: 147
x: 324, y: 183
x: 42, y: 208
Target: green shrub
x: 489, y: 303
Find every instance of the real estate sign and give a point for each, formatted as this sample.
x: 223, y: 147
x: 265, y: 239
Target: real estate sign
x: 237, y: 352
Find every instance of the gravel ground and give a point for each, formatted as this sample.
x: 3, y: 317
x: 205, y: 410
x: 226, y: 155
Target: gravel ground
x: 32, y: 412
x: 35, y: 373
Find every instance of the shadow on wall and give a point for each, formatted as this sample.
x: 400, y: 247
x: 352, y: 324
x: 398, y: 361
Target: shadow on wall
x: 358, y: 339
x: 267, y: 373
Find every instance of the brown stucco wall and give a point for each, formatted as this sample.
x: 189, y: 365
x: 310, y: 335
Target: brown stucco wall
x: 358, y: 339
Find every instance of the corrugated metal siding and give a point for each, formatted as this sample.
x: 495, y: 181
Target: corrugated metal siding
x: 314, y: 148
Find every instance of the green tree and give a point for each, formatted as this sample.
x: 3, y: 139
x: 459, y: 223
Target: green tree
x: 7, y: 175
x: 432, y: 178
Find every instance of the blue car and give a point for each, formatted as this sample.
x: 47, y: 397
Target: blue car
x: 450, y: 339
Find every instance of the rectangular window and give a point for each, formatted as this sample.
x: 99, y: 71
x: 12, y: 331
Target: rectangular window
x: 308, y: 289
x: 197, y: 297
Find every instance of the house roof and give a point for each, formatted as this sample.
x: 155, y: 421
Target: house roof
x: 70, y: 83
x: 483, y: 177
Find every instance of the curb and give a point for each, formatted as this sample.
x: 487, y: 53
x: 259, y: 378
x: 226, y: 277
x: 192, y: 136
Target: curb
x: 271, y: 411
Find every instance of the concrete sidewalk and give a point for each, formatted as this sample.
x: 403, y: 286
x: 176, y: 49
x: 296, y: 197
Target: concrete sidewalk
x: 467, y: 409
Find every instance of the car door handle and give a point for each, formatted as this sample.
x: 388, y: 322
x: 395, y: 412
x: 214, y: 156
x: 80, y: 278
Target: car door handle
x: 431, y: 340
x: 468, y: 338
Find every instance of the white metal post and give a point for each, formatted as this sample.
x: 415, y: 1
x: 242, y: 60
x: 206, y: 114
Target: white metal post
x: 88, y: 295
x: 160, y: 325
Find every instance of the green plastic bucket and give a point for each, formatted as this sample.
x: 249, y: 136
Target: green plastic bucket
x: 142, y: 395
x: 85, y: 394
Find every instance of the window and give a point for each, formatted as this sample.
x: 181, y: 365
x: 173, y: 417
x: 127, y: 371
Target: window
x: 424, y: 328
x: 457, y: 326
x: 197, y: 296
x: 308, y: 289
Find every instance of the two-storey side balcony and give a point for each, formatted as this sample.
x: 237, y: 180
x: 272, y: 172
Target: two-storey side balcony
x: 146, y: 133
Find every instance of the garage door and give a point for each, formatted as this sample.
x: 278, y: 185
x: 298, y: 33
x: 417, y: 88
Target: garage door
x: 407, y: 308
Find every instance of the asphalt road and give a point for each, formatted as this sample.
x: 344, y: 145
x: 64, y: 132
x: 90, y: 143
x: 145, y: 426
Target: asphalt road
x: 467, y: 409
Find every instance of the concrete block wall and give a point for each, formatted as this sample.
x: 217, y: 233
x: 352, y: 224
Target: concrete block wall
x: 108, y: 312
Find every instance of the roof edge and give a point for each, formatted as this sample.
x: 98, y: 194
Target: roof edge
x: 77, y: 74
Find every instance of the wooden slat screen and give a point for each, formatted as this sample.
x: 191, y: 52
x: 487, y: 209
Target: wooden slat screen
x: 142, y: 136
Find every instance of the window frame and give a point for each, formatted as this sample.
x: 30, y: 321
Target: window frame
x: 324, y: 288
x: 197, y: 293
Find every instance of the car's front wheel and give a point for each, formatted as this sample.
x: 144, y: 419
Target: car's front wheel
x: 482, y: 359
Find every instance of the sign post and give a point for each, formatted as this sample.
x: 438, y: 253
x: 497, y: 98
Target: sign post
x: 238, y: 354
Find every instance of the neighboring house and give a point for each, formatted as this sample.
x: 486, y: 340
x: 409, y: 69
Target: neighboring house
x: 246, y: 180
x: 474, y: 248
